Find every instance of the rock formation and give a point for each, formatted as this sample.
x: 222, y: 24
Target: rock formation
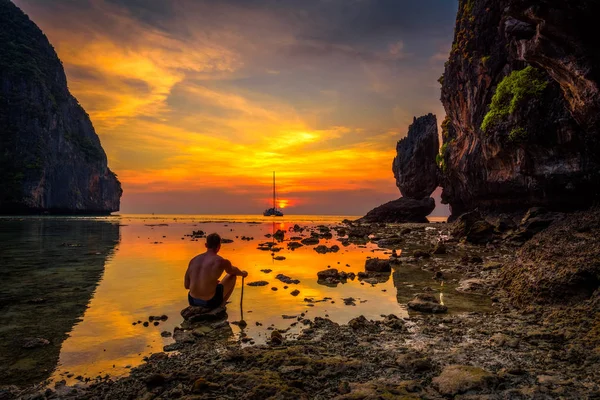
x: 402, y: 210
x: 522, y: 100
x: 414, y: 166
x: 50, y: 156
x: 416, y: 173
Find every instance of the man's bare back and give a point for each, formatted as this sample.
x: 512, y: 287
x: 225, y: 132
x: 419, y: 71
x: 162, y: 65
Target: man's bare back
x: 203, y: 273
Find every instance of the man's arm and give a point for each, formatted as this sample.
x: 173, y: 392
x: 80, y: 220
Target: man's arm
x: 186, y: 280
x: 231, y: 270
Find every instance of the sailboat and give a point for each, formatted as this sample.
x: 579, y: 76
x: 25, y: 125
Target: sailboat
x: 273, y: 211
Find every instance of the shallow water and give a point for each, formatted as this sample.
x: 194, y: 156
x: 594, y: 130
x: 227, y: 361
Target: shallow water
x: 82, y: 282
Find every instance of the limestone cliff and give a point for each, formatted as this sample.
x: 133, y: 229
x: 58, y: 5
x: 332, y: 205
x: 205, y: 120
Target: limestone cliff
x: 416, y: 174
x: 50, y: 156
x: 522, y: 100
x: 414, y: 166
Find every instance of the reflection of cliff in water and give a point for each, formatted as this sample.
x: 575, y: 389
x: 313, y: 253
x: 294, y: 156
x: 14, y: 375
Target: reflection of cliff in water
x: 49, y: 269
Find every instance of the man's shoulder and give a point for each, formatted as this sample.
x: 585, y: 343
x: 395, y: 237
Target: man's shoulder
x: 197, y: 259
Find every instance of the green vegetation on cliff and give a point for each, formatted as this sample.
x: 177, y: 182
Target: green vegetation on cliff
x: 440, y: 159
x: 510, y: 94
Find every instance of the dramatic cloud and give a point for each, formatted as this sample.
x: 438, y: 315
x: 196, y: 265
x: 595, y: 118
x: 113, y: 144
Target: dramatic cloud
x: 196, y: 102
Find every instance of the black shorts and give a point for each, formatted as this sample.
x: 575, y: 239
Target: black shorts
x: 215, y: 302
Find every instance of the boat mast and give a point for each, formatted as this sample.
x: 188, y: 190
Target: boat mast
x: 274, y: 191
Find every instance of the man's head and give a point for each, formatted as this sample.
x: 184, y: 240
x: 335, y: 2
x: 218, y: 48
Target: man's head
x: 213, y: 242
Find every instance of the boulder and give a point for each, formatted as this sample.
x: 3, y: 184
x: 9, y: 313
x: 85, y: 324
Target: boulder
x: 328, y: 273
x: 402, y: 210
x: 472, y: 285
x: 310, y: 241
x: 457, y: 379
x: 258, y: 283
x: 414, y: 166
x: 286, y: 279
x: 428, y: 303
x: 377, y: 265
x: 472, y: 227
x: 200, y: 314
x: 322, y: 249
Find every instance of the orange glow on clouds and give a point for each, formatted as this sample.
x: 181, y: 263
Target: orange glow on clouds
x: 172, y: 116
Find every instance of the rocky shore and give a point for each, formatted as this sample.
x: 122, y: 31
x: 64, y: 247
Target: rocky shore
x: 536, y: 342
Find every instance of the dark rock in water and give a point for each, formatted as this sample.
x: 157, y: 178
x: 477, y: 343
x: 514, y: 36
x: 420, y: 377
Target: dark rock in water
x: 295, y: 292
x: 258, y: 283
x: 377, y: 265
x: 276, y: 337
x: 331, y: 277
x: 350, y: 301
x: 374, y: 278
x: 52, y: 160
x: 328, y: 273
x: 400, y: 211
x: 165, y: 334
x: 310, y: 241
x: 199, y: 314
x: 415, y: 167
x: 322, y: 249
x: 279, y: 235
x: 428, y: 303
x: 286, y: 279
x: 294, y: 245
x: 32, y: 343
x: 544, y: 148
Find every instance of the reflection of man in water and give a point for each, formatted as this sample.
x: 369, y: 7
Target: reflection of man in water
x: 203, y: 273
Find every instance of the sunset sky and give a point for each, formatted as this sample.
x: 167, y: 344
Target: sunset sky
x: 197, y: 102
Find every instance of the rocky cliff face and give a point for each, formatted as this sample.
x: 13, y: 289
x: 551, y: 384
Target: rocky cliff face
x: 416, y: 174
x: 414, y: 166
x: 522, y: 100
x: 50, y: 156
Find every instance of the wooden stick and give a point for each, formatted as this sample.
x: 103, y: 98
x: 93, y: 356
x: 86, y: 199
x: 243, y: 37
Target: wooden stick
x: 242, y: 301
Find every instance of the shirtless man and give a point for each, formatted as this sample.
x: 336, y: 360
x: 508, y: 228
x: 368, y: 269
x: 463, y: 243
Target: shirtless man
x: 203, y: 273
